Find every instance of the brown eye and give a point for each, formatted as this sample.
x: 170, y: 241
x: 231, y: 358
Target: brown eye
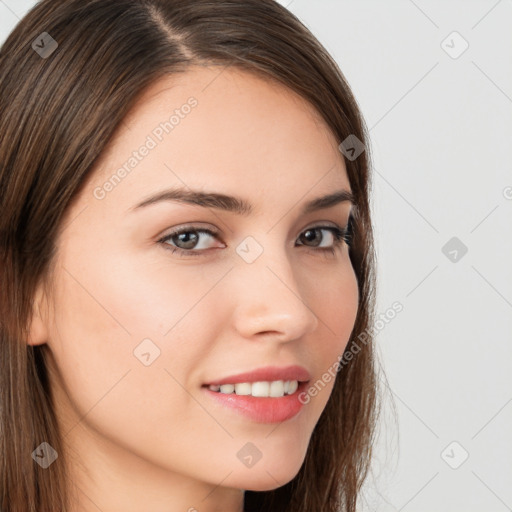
x: 185, y: 240
x: 310, y: 236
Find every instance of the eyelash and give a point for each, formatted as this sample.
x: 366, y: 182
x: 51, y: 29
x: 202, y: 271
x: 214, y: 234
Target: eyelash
x: 340, y: 235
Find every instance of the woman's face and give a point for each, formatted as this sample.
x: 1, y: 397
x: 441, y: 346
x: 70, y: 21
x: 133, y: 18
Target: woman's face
x: 136, y: 331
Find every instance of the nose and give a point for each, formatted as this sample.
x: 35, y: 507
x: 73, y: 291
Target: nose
x: 269, y: 299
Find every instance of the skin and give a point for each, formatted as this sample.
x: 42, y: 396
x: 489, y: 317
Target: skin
x: 146, y: 437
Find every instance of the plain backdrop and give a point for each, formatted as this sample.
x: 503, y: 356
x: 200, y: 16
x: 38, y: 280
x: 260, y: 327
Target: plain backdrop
x: 434, y: 82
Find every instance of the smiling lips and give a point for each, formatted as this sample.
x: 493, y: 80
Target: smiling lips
x: 265, y: 395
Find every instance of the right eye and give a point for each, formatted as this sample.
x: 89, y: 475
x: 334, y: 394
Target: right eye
x: 184, y: 238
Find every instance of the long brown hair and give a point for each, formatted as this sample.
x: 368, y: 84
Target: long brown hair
x: 61, y: 101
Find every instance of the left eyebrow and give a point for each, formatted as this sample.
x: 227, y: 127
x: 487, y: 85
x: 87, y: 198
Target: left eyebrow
x: 237, y: 204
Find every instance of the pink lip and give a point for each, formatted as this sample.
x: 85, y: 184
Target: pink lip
x: 261, y: 409
x: 269, y: 373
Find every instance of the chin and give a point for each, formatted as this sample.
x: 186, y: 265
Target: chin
x: 265, y: 479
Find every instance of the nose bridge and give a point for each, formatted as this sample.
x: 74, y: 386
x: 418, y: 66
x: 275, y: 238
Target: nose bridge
x: 269, y: 296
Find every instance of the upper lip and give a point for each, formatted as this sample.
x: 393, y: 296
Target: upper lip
x: 268, y: 373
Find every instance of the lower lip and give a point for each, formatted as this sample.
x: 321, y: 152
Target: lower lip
x: 262, y: 409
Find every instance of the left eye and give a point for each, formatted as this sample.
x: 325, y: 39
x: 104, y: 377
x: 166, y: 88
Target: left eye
x: 189, y: 237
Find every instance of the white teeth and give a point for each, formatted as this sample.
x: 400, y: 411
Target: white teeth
x: 260, y: 389
x: 227, y: 388
x: 275, y: 389
x: 243, y: 388
x: 293, y: 387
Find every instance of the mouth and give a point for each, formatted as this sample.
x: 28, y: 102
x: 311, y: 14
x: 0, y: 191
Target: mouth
x: 267, y: 394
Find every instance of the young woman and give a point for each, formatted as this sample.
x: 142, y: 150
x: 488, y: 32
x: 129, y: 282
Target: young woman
x: 187, y: 266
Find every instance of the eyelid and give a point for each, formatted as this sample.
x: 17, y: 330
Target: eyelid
x: 189, y: 227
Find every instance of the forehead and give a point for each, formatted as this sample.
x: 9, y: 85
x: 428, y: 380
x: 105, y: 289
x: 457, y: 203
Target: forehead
x: 223, y: 127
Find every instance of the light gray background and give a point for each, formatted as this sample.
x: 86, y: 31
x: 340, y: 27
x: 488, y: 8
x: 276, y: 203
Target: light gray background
x: 441, y: 133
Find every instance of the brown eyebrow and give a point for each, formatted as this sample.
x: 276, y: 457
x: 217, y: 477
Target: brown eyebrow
x: 236, y: 204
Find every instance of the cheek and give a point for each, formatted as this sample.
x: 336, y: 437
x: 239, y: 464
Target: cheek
x: 113, y: 314
x: 103, y: 312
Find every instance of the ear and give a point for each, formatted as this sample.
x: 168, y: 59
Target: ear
x: 38, y: 330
